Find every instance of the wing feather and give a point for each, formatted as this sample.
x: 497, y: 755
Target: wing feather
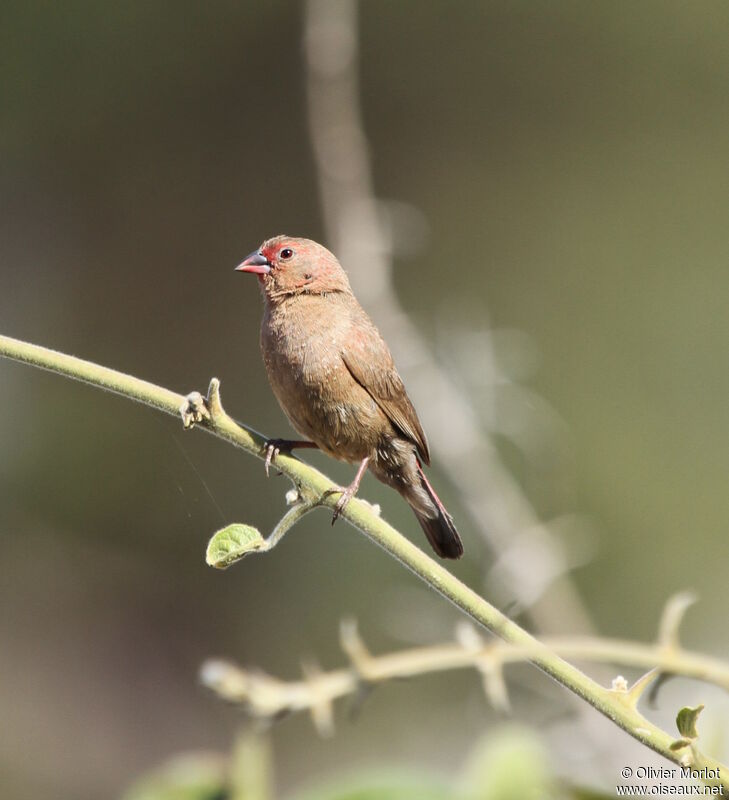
x: 370, y: 363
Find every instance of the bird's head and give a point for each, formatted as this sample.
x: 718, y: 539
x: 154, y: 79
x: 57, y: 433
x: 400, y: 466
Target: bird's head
x: 286, y: 265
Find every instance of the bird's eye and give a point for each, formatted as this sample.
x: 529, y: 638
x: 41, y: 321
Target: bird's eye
x: 286, y: 254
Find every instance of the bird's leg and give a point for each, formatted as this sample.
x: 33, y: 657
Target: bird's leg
x: 350, y: 491
x: 275, y: 446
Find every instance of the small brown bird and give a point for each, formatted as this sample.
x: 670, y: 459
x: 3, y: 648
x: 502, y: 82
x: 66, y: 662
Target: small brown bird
x: 335, y: 379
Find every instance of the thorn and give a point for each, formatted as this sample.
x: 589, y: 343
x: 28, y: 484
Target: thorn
x: 673, y: 614
x: 356, y: 650
x: 321, y: 708
x: 214, y: 403
x: 632, y: 695
x: 494, y: 684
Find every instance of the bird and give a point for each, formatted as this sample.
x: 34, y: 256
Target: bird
x: 335, y: 379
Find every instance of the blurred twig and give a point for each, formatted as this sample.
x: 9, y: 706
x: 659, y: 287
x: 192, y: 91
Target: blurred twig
x: 357, y: 229
x: 614, y: 703
x: 266, y: 697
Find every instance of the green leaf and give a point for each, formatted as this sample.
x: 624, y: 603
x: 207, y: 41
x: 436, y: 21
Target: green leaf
x: 686, y: 722
x: 232, y: 543
x: 679, y: 744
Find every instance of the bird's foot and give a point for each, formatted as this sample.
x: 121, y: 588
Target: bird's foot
x: 348, y: 492
x: 273, y: 447
x: 194, y: 409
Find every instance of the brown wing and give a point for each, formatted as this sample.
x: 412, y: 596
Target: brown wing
x: 368, y: 360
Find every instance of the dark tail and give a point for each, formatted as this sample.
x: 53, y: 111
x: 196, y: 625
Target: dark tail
x: 438, y: 526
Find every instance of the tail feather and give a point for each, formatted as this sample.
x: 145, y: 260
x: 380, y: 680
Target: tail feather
x: 438, y: 527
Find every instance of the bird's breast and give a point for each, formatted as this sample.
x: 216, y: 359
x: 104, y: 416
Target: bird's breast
x: 303, y: 358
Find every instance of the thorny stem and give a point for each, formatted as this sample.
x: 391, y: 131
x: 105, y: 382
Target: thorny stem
x: 468, y: 651
x: 617, y: 706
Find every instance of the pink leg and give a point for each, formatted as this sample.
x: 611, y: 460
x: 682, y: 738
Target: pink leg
x: 350, y: 491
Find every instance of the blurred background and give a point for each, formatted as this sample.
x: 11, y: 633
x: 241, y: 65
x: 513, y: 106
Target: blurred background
x: 547, y: 256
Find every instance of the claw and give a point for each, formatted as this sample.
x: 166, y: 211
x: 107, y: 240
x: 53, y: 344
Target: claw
x: 275, y: 447
x: 347, y: 495
x: 272, y: 450
x: 349, y: 492
x: 194, y: 409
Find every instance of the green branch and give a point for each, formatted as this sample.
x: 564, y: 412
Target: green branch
x: 615, y: 703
